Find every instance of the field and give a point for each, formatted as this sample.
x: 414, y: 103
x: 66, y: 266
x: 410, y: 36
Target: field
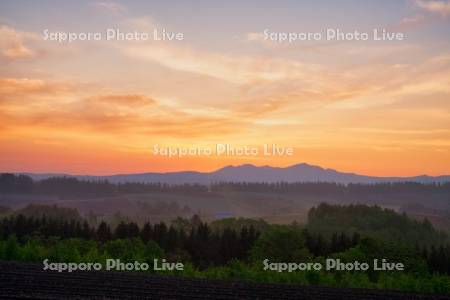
x: 25, y: 280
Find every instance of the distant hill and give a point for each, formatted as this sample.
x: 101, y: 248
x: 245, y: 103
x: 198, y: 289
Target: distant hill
x: 250, y: 173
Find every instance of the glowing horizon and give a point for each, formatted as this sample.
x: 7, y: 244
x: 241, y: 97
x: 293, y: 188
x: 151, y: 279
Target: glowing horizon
x: 379, y: 108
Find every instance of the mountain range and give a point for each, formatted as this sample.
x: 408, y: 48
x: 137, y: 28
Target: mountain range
x: 249, y: 173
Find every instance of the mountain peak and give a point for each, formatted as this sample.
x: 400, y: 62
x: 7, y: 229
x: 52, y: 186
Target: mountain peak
x: 305, y: 166
x: 244, y: 166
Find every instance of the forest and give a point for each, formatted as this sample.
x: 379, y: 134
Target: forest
x: 235, y: 248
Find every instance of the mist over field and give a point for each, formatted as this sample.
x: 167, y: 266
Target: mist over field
x: 281, y: 202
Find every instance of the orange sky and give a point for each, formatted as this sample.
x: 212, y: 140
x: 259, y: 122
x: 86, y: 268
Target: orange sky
x: 99, y: 107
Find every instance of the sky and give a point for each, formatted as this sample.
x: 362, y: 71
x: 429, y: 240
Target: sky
x: 99, y: 106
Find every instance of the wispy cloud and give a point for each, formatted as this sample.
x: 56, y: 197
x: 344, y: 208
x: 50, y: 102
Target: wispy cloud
x: 232, y: 69
x: 440, y: 7
x: 124, y: 99
x: 110, y: 7
x: 410, y: 22
x: 11, y: 88
x: 13, y: 44
x: 70, y: 107
x: 17, y: 45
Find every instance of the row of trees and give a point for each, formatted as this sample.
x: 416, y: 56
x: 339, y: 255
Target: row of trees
x: 330, y: 188
x: 69, y: 186
x: 195, y: 242
x: 73, y: 187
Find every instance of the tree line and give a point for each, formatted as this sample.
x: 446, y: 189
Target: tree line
x: 73, y: 187
x: 197, y: 242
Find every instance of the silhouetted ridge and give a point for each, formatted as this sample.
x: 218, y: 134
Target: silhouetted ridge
x: 302, y: 172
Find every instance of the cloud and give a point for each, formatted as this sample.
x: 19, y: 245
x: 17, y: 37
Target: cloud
x: 234, y: 69
x: 409, y: 22
x: 124, y: 99
x: 401, y: 84
x: 110, y: 7
x: 255, y: 36
x: 18, y: 46
x: 84, y: 119
x: 428, y: 9
x: 13, y: 44
x: 20, y: 87
x: 38, y: 104
x: 268, y: 85
x: 435, y: 7
x: 145, y: 23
